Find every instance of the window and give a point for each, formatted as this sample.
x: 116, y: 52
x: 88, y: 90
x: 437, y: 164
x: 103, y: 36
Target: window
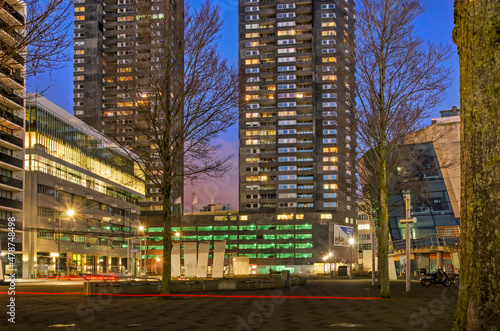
x: 252, y: 70
x: 287, y: 131
x: 329, y: 77
x: 249, y: 53
x: 286, y: 41
x: 252, y: 61
x: 251, y: 17
x: 252, y: 35
x: 329, y: 113
x: 287, y: 77
x: 79, y: 52
x: 286, y: 86
x: 287, y: 150
x: 330, y: 186
x: 251, y: 44
x: 328, y: 42
x: 285, y: 15
x: 326, y: 216
x: 286, y: 50
x: 329, y: 122
x: 331, y: 131
x: 286, y: 6
x: 282, y: 24
x: 286, y: 104
x: 329, y: 104
x: 287, y: 59
x: 328, y: 24
x: 330, y: 159
x: 286, y: 95
x: 286, y: 33
x: 251, y: 26
x: 329, y: 95
x: 79, y: 18
x: 329, y: 177
x: 329, y: 141
x: 329, y: 59
x: 251, y: 8
x: 329, y: 204
x: 329, y: 33
x: 287, y: 141
x: 328, y: 6
x: 328, y: 15
x: 329, y: 51
x: 329, y: 195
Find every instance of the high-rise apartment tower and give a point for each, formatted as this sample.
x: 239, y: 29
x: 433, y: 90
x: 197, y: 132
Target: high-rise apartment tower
x: 12, y: 88
x: 108, y: 43
x: 297, y: 127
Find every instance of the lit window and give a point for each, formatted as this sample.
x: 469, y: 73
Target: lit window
x: 326, y: 216
x: 79, y: 18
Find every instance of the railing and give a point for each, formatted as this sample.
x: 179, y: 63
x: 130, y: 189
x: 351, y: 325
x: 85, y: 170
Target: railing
x: 12, y: 139
x: 11, y: 96
x: 431, y: 240
x: 14, y: 78
x: 6, y: 202
x: 12, y: 118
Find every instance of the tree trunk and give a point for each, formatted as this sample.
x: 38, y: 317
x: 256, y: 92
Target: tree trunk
x: 477, y: 36
x: 383, y: 247
x: 167, y: 241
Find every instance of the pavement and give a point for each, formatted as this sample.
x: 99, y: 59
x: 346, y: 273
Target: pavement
x: 323, y: 304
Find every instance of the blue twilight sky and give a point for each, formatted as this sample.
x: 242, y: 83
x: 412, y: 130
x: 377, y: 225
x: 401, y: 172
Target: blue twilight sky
x: 435, y: 25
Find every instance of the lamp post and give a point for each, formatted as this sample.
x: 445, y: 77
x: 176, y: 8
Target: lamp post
x: 351, y: 242
x: 69, y: 212
x: 330, y: 254
x: 408, y: 221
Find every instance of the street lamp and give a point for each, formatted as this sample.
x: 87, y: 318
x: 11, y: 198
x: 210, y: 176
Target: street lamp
x: 330, y: 254
x: 351, y: 242
x: 70, y: 213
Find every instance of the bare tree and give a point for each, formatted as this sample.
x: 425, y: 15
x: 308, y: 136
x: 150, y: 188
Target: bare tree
x: 477, y: 36
x: 399, y: 79
x: 180, y: 95
x: 38, y: 34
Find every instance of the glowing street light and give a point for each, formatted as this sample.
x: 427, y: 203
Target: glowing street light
x: 351, y: 242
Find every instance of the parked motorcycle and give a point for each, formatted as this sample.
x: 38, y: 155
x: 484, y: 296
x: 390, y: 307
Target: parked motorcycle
x: 427, y: 279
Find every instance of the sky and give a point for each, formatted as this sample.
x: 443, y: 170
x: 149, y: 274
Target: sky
x: 434, y: 25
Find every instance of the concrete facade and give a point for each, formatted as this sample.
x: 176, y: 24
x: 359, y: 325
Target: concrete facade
x: 12, y: 90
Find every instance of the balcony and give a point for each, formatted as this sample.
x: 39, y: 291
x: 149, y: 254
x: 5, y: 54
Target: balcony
x: 11, y: 182
x: 7, y: 119
x: 10, y: 99
x: 11, y: 160
x: 12, y: 139
x: 13, y: 82
x: 10, y: 203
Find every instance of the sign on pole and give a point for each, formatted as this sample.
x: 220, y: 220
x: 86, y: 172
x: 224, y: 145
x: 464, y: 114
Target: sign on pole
x: 342, y: 234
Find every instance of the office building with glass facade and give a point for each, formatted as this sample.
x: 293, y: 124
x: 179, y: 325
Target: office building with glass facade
x: 81, y: 196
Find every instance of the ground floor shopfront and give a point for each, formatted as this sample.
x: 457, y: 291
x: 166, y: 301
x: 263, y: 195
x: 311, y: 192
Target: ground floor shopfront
x: 50, y: 264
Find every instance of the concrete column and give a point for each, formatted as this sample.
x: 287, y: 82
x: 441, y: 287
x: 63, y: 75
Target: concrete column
x: 440, y: 259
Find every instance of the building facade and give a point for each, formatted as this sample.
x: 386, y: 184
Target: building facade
x: 107, y: 47
x: 12, y: 90
x: 81, y: 196
x: 297, y: 128
x: 297, y: 131
x: 430, y: 173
